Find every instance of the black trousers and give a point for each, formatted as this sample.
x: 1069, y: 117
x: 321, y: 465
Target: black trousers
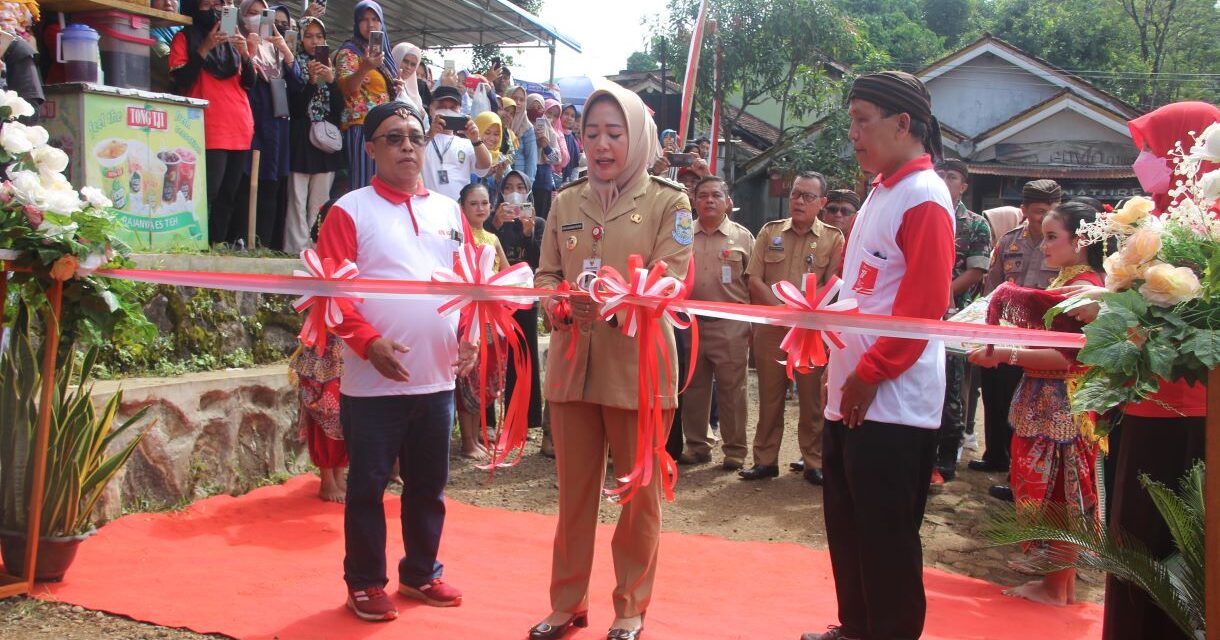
x: 1165, y: 449
x: 527, y: 319
x: 999, y: 385
x: 225, y: 172
x: 876, y: 488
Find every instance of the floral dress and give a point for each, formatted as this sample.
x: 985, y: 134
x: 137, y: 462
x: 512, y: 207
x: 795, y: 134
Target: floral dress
x: 1054, y: 454
x: 318, y: 393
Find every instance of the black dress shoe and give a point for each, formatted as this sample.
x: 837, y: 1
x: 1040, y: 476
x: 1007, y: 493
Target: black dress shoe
x: 759, y: 472
x: 1001, y: 492
x: 797, y: 466
x: 626, y: 634
x: 813, y: 476
x: 544, y: 631
x: 833, y: 633
x: 985, y: 466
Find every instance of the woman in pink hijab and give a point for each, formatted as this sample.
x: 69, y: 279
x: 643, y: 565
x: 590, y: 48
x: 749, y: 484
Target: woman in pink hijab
x: 553, y: 110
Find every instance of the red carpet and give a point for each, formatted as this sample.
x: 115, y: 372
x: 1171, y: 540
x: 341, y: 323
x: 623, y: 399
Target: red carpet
x: 268, y: 565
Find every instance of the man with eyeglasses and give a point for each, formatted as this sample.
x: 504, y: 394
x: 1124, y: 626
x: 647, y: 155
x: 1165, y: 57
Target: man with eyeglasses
x: 840, y: 210
x: 401, y: 356
x: 789, y: 249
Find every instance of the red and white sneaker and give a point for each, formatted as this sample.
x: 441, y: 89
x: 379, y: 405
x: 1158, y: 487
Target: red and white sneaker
x: 435, y: 593
x: 372, y: 604
x: 937, y: 483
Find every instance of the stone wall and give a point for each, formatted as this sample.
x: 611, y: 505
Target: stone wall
x: 206, y: 433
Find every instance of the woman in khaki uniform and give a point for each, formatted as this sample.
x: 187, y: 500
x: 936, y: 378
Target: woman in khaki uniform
x: 601, y: 221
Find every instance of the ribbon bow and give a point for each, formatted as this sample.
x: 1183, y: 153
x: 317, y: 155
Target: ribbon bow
x: 641, y: 303
x: 489, y: 324
x: 325, y: 312
x: 803, y: 346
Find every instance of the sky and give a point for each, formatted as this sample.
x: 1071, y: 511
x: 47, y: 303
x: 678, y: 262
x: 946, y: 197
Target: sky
x: 606, y: 39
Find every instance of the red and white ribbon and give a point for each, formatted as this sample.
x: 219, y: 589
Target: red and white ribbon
x: 804, y: 347
x: 325, y: 313
x: 475, y: 265
x: 647, y: 295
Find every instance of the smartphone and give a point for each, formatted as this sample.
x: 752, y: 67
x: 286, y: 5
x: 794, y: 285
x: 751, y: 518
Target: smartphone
x: 228, y: 20
x: 527, y: 210
x: 680, y: 159
x: 321, y: 53
x: 376, y: 43
x: 450, y: 65
x: 266, y: 24
x: 455, y: 123
x: 290, y: 39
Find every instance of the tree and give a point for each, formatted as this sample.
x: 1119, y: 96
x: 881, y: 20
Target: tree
x: 481, y: 55
x: 949, y: 19
x: 1166, y: 30
x: 642, y: 61
x: 896, y: 28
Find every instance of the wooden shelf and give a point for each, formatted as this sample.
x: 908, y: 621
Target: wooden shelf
x: 72, y: 6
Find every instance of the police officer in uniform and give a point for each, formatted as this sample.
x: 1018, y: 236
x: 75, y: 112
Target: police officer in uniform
x: 1017, y: 258
x: 617, y: 211
x: 722, y: 251
x: 787, y: 250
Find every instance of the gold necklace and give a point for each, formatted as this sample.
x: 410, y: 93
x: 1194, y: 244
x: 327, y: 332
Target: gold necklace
x: 1066, y: 275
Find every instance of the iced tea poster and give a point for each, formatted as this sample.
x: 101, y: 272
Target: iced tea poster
x: 148, y: 157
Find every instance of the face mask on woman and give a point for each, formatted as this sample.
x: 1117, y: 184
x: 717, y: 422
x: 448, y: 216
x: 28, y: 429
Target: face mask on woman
x: 1153, y: 172
x: 251, y: 23
x: 516, y: 197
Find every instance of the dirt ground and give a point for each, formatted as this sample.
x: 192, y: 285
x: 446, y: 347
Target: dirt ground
x: 708, y: 501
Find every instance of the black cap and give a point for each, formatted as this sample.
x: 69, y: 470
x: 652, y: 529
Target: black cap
x: 445, y: 91
x: 379, y: 113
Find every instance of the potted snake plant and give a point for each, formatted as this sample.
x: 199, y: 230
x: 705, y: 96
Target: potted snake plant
x: 79, y: 463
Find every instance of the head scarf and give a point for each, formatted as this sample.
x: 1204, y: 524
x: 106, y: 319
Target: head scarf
x: 529, y: 192
x: 381, y: 112
x: 319, y: 102
x: 901, y: 92
x: 560, y: 139
x: 536, y: 98
x: 266, y: 58
x: 389, y: 68
x: 521, y: 120
x: 643, y: 147
x: 485, y: 120
x: 1044, y: 190
x: 1162, y: 129
x: 410, y: 83
x: 223, y: 61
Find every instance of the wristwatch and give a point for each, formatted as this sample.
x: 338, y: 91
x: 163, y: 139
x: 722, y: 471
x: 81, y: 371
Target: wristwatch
x: 476, y: 143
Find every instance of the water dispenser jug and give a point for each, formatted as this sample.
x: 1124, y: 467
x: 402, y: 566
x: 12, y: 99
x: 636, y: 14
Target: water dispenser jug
x: 78, y: 52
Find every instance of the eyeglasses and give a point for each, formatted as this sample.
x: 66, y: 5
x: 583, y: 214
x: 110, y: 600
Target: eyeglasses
x: 396, y: 139
x: 804, y: 196
x: 839, y: 210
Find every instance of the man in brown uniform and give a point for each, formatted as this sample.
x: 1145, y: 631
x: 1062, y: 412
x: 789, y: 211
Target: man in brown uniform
x: 722, y: 251
x: 1017, y: 258
x: 787, y: 250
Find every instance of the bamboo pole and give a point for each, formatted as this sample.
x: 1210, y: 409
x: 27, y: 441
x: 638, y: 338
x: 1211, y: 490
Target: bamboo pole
x: 42, y: 433
x: 252, y: 215
x: 1211, y: 502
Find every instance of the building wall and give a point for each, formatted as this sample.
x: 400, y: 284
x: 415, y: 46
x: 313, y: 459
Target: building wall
x: 985, y: 92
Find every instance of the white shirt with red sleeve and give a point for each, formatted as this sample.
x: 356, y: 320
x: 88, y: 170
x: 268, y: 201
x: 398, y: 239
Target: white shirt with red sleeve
x: 899, y: 262
x: 395, y: 236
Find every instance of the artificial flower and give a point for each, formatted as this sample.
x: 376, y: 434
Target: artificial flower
x: 18, y: 107
x: 14, y: 139
x: 65, y: 267
x: 1209, y: 184
x: 33, y: 214
x: 26, y: 187
x: 1119, y: 274
x: 62, y: 201
x: 95, y: 198
x: 49, y: 160
x: 1132, y: 212
x: 1207, y: 145
x: 1142, y: 246
x: 1166, y: 285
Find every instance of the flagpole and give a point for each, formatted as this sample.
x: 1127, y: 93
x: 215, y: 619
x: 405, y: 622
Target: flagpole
x: 692, y: 72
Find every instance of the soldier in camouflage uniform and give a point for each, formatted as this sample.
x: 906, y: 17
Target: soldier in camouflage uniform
x: 973, y: 257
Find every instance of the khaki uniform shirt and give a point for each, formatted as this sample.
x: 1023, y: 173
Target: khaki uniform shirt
x: 1017, y: 258
x: 721, y: 256
x: 782, y: 254
x: 653, y: 221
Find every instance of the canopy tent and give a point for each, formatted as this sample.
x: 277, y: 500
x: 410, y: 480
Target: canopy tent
x: 454, y: 24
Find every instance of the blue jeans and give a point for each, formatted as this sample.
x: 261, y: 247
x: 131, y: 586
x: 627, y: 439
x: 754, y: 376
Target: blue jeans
x: 413, y: 430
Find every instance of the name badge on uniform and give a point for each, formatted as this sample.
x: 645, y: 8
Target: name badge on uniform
x: 726, y: 274
x: 591, y: 264
x: 442, y: 176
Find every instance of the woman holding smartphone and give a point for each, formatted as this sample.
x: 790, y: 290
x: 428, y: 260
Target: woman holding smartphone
x: 367, y: 77
x: 207, y: 63
x: 276, y: 77
x: 312, y: 169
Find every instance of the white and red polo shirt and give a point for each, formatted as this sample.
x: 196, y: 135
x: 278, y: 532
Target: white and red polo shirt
x: 394, y: 235
x: 899, y: 262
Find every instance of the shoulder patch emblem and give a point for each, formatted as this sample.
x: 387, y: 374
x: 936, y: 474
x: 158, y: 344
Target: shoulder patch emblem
x: 684, y: 227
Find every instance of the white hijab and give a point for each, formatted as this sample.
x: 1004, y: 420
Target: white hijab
x: 410, y: 89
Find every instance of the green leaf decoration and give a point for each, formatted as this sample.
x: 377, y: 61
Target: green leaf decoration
x: 1064, y: 307
x: 1204, y: 344
x: 1108, y: 344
